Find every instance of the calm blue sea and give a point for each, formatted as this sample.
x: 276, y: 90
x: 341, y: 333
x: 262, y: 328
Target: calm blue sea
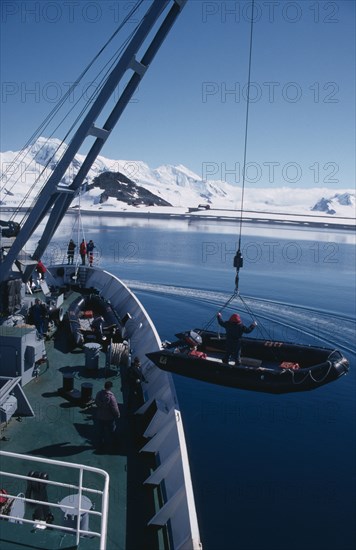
x: 269, y: 472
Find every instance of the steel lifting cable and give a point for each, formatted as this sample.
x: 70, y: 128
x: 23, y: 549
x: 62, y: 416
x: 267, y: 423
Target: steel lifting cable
x: 209, y: 323
x: 238, y: 260
x: 260, y: 324
x: 236, y: 294
x: 262, y: 328
x: 248, y: 309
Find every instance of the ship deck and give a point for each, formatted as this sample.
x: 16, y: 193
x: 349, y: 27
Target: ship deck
x: 63, y: 429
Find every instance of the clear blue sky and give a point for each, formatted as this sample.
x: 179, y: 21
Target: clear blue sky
x: 190, y: 107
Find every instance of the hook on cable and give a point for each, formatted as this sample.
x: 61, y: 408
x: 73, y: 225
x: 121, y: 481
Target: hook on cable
x: 238, y: 263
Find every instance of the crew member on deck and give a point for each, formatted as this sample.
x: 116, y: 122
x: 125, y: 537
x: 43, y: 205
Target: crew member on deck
x: 98, y: 327
x: 90, y: 252
x: 83, y: 251
x: 107, y: 415
x: 135, y: 378
x: 70, y: 252
x: 234, y: 330
x: 39, y: 315
x: 41, y: 269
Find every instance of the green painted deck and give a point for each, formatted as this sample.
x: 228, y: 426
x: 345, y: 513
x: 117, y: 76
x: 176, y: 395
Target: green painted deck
x: 64, y: 430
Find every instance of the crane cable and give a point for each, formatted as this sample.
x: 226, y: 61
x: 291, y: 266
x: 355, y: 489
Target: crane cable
x: 227, y: 303
x: 238, y: 260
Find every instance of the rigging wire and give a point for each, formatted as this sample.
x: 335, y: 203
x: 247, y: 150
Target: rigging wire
x: 97, y: 90
x: 80, y: 234
x: 85, y: 108
x: 73, y: 126
x: 59, y: 105
x: 77, y: 232
x: 73, y: 86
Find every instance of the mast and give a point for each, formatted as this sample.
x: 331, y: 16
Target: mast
x: 56, y: 199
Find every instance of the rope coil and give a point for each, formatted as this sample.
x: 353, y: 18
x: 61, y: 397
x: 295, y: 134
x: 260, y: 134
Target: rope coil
x: 119, y: 354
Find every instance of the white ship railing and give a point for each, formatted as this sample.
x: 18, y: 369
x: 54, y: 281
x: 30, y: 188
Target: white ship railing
x: 78, y: 510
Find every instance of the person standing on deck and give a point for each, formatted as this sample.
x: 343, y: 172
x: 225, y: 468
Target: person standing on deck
x: 234, y: 330
x: 39, y: 313
x: 83, y: 251
x: 98, y: 327
x: 135, y: 379
x: 70, y: 251
x: 107, y: 415
x: 90, y: 252
x: 41, y: 269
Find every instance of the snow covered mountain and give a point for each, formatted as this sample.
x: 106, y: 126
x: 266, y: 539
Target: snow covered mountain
x: 331, y: 205
x: 175, y: 185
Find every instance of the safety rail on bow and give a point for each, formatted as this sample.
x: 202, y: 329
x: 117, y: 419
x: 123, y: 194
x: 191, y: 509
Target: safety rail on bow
x: 76, y: 509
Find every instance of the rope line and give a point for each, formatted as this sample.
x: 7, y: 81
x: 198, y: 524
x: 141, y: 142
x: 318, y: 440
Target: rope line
x: 309, y: 373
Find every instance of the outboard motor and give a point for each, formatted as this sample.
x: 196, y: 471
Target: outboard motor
x: 193, y: 338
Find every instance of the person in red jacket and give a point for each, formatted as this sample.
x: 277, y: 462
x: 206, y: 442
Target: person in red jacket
x: 234, y: 330
x: 83, y: 251
x: 41, y: 269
